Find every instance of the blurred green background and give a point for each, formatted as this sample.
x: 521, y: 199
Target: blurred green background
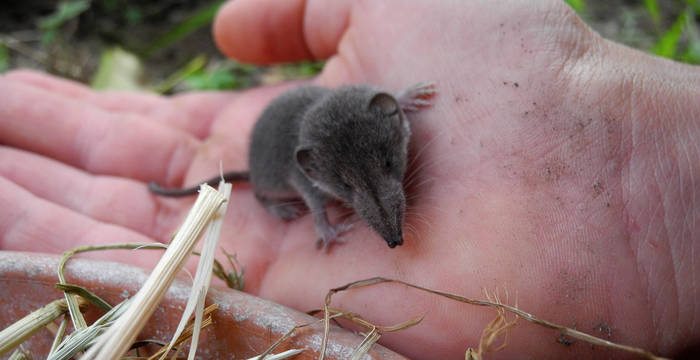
x: 166, y: 46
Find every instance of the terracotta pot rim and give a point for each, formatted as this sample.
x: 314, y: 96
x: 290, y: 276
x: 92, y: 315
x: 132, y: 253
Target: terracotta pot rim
x: 116, y: 281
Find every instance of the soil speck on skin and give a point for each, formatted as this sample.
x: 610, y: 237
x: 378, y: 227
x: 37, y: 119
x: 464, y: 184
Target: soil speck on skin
x: 598, y: 187
x: 554, y: 170
x: 604, y: 329
x: 516, y: 84
x: 562, y: 339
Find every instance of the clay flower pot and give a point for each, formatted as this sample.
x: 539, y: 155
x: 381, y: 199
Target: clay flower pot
x: 244, y: 325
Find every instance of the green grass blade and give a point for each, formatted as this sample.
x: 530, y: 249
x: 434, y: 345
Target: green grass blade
x: 65, y: 11
x: 667, y: 45
x: 691, y: 54
x: 653, y: 9
x: 85, y: 294
x: 181, y: 74
x: 199, y: 19
x: 577, y: 5
x: 4, y: 58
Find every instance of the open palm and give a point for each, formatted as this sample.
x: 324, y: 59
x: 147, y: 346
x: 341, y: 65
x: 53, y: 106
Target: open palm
x: 524, y: 177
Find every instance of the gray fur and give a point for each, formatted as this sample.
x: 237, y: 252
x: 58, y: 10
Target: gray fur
x: 348, y: 144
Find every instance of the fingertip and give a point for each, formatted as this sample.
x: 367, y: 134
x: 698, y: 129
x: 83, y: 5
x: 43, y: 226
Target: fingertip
x: 270, y: 31
x: 18, y: 74
x: 325, y: 24
x: 48, y: 82
x: 262, y: 31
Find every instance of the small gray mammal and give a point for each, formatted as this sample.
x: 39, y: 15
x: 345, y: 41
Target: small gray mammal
x: 318, y: 144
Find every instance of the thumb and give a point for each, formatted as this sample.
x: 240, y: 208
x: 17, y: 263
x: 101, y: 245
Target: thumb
x: 270, y: 31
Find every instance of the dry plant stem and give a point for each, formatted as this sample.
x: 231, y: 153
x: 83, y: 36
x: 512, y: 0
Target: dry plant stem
x: 202, y: 278
x: 187, y: 333
x: 499, y: 325
x: 285, y: 336
x: 75, y: 315
x: 336, y: 313
x: 81, y: 339
x: 496, y: 327
x: 59, y: 334
x: 362, y: 322
x: 115, y: 341
x: 20, y: 354
x: 25, y: 327
x: 283, y: 355
x: 132, y: 246
x: 369, y: 340
x: 527, y: 316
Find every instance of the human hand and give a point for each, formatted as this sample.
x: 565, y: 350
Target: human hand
x: 545, y: 169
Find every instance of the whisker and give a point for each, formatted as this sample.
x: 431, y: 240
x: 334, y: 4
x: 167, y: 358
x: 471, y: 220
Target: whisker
x: 420, y: 151
x: 415, y: 172
x: 410, y: 228
x: 421, y: 183
x: 424, y: 208
x: 422, y: 220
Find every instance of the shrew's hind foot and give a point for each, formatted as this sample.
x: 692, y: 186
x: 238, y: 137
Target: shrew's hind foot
x: 416, y: 97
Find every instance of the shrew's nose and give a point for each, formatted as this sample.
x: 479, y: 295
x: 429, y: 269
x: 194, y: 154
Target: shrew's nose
x: 395, y: 240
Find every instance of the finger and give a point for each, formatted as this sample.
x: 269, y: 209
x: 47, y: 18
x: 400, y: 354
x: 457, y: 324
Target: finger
x: 132, y: 102
x: 90, y: 138
x: 268, y: 31
x: 28, y: 223
x: 192, y: 113
x: 108, y: 199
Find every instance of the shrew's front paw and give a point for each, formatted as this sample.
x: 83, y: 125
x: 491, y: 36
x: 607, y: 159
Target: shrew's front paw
x: 331, y: 235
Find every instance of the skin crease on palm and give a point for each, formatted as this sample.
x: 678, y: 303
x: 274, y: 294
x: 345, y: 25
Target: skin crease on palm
x: 554, y: 164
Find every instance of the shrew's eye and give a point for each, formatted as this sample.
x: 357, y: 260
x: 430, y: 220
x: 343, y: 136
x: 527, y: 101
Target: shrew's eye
x: 388, y: 165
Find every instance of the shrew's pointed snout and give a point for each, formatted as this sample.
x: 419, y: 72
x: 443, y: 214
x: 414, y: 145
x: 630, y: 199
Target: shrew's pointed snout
x: 383, y: 209
x: 394, y: 240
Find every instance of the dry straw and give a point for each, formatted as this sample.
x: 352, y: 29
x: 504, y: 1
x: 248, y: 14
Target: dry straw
x: 82, y: 338
x: 16, y: 333
x: 117, y: 340
x: 202, y: 278
x: 497, y: 327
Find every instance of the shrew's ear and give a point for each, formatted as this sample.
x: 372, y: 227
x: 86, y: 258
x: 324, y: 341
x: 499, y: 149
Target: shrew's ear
x: 305, y: 162
x: 385, y: 103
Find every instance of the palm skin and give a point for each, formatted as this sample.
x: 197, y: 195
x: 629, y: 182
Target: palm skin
x: 554, y: 164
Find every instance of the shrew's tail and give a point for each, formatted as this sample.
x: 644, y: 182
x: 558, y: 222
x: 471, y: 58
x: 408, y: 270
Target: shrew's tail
x: 231, y: 176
